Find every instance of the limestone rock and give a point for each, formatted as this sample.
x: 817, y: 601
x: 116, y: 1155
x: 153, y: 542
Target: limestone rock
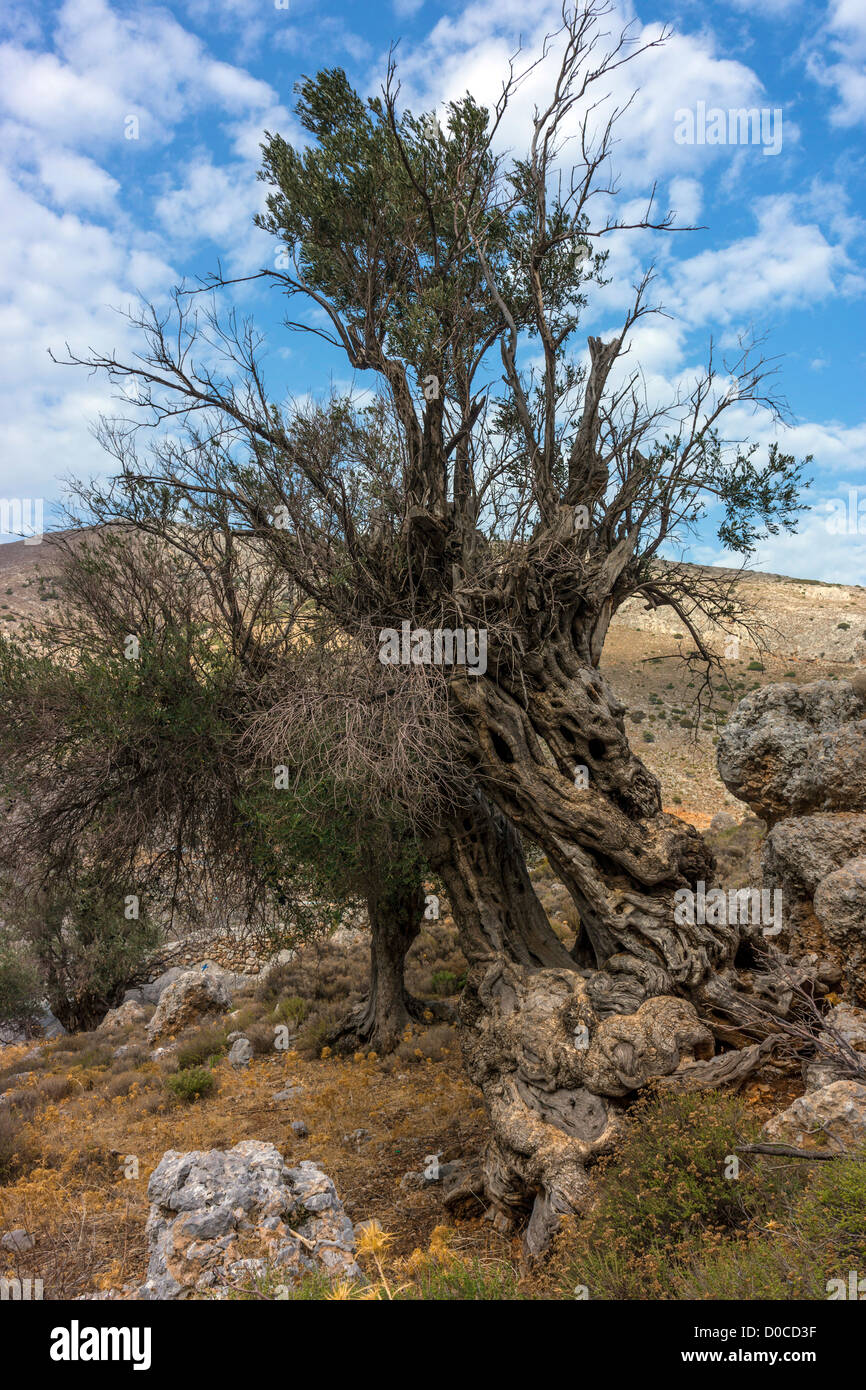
x: 832, y: 1117
x: 192, y: 996
x: 124, y: 1016
x: 850, y: 1023
x: 840, y: 906
x: 220, y: 1219
x: 791, y: 750
x: 801, y: 851
x: 154, y: 991
x: 17, y: 1241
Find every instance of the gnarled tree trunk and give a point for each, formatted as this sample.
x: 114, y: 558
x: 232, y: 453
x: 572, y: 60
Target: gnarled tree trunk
x: 605, y: 834
x: 556, y: 1042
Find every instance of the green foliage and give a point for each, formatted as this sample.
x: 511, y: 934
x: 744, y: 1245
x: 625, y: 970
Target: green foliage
x: 669, y: 1224
x: 193, y: 1084
x: 19, y: 983
x: 446, y: 982
x: 204, y: 1046
x: 292, y: 1010
x: 85, y: 950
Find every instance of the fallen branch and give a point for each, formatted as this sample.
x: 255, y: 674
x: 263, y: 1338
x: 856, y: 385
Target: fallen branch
x: 787, y: 1151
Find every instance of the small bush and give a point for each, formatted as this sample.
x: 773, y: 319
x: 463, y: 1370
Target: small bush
x: 433, y: 1044
x: 665, y: 1190
x: 54, y: 1088
x: 291, y: 1010
x: 446, y: 982
x: 95, y: 1057
x: 316, y: 1031
x: 123, y: 1082
x: 191, y: 1085
x: 19, y: 984
x: 464, y: 1281
x: 201, y: 1047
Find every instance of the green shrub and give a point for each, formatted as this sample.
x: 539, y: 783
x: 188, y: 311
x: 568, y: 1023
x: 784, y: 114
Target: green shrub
x: 201, y: 1047
x: 19, y: 984
x: 664, y: 1190
x: 464, y: 1282
x: 446, y: 982
x: 291, y: 1010
x: 668, y: 1223
x: 191, y: 1085
x: 85, y: 950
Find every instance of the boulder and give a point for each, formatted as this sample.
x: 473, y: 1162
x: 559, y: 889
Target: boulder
x: 792, y: 750
x: 819, y: 863
x: 801, y: 851
x: 821, y: 1073
x: 233, y: 980
x: 43, y: 1024
x: 18, y: 1241
x: 833, y: 1117
x: 850, y: 1023
x: 219, y: 1220
x: 154, y: 991
x: 840, y: 906
x: 189, y: 998
x: 124, y: 1016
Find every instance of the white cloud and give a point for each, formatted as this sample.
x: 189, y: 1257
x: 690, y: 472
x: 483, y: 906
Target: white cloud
x: 60, y: 278
x: 62, y: 275
x: 686, y: 199
x: 76, y: 181
x: 216, y: 204
x: 107, y: 67
x: 838, y: 60
x: 785, y: 264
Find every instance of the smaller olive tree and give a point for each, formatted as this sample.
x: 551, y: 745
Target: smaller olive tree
x: 20, y: 990
x: 78, y: 948
x: 138, y: 792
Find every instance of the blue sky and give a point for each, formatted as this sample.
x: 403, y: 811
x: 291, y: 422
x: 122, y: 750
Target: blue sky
x: 93, y: 218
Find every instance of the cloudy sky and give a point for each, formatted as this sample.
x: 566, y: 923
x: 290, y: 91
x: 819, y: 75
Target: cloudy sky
x: 130, y: 143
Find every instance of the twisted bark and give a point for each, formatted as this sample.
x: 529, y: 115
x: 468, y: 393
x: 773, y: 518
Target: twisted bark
x: 553, y: 1065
